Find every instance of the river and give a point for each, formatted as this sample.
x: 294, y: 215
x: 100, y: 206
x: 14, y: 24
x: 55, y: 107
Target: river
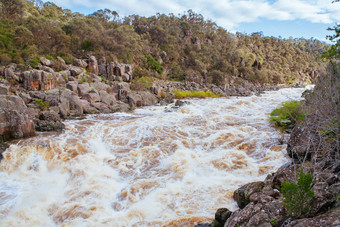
x: 146, y: 168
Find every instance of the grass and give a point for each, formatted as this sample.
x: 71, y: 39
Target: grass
x: 195, y: 94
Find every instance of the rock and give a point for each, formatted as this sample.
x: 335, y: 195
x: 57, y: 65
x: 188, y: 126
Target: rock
x: 61, y: 61
x: 120, y: 107
x: 70, y: 104
x: 49, y: 121
x: 72, y: 86
x: 38, y: 80
x: 124, y: 70
x: 156, y: 90
x: 83, y: 89
x: 134, y: 100
x: 101, y: 107
x: 242, y: 195
x: 123, y: 91
x: 283, y: 174
x: 241, y: 217
x: 44, y: 61
x: 14, y: 122
x: 53, y: 99
x: 3, y: 148
x: 259, y: 219
x: 92, y: 96
x: 221, y: 216
x: 76, y: 71
x: 4, y: 90
x: 106, y: 98
x: 102, y: 70
x: 102, y: 86
x: 126, y: 77
x: 37, y: 95
x: 110, y: 71
x: 148, y: 99
x: 330, y: 218
x: 180, y: 103
x: 80, y: 63
x: 26, y: 97
x: 47, y: 69
x: 203, y: 225
x: 66, y: 74
x: 87, y: 108
x: 93, y: 65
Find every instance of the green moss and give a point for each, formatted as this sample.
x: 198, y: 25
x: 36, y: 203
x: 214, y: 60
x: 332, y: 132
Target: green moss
x: 195, y: 94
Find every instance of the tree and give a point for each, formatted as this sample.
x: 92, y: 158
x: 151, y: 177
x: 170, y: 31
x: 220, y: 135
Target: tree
x: 12, y: 9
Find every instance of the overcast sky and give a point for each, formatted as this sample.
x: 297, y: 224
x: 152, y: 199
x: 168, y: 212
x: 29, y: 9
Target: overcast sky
x: 296, y: 18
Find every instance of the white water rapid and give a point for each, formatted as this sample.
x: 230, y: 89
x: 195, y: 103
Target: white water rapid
x: 147, y: 168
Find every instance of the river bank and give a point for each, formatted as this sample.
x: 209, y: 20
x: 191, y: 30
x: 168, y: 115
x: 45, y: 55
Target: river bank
x: 40, y: 99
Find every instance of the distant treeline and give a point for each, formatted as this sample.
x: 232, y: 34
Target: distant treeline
x: 184, y: 47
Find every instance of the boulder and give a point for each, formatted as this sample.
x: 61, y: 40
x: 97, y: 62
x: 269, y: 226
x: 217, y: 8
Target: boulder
x: 80, y: 63
x: 53, y: 99
x: 148, y: 99
x: 49, y: 121
x: 134, y: 100
x: 26, y: 97
x: 37, y: 95
x: 38, y: 80
x: 221, y: 216
x: 87, y: 108
x: 14, y: 122
x: 4, y: 90
x: 72, y: 86
x: 120, y: 107
x: 329, y: 218
x: 124, y: 70
x: 101, y: 107
x: 242, y: 195
x: 83, y: 89
x: 76, y: 71
x: 93, y: 65
x: 92, y: 97
x: 107, y: 99
x: 44, y: 61
x: 70, y: 104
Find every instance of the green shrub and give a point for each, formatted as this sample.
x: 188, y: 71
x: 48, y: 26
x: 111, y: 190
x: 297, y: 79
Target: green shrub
x: 272, y: 221
x: 34, y: 62
x: 196, y: 94
x: 297, y: 198
x: 287, y: 115
x: 153, y: 64
x: 43, y: 105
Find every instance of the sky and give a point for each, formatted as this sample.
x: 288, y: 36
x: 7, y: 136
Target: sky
x: 284, y: 18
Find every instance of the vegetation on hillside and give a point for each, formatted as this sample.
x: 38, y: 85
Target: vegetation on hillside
x: 184, y: 47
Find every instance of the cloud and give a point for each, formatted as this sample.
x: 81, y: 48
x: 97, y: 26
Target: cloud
x: 227, y: 13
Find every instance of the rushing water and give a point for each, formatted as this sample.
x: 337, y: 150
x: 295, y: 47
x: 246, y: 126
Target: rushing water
x: 147, y: 168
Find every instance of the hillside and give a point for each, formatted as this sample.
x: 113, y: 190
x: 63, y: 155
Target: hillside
x: 180, y: 48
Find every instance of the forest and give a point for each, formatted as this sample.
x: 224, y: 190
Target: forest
x: 162, y: 47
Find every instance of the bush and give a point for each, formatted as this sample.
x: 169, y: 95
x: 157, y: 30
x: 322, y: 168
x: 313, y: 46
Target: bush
x: 43, y: 105
x: 287, y: 115
x: 34, y: 62
x: 153, y: 64
x: 196, y: 94
x: 297, y: 197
